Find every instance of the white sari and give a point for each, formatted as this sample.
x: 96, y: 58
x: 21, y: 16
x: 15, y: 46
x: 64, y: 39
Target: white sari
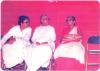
x: 71, y: 49
x: 39, y: 55
x: 13, y: 53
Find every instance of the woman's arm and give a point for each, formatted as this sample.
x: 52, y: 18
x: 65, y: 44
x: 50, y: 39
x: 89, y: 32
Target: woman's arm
x: 52, y: 38
x: 71, y: 37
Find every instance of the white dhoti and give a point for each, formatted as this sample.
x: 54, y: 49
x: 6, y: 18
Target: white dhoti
x: 70, y: 50
x: 13, y: 54
x: 38, y: 56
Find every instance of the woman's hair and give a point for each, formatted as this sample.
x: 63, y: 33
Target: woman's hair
x: 22, y: 18
x: 43, y: 16
x: 70, y: 18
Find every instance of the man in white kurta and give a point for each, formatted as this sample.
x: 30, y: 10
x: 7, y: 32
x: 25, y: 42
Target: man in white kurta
x: 13, y: 53
x: 43, y: 45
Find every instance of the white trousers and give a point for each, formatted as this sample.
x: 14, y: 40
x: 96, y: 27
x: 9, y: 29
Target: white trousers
x: 38, y: 56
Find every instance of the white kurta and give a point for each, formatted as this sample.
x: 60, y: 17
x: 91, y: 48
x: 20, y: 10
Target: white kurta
x: 71, y: 49
x: 13, y: 53
x: 41, y: 54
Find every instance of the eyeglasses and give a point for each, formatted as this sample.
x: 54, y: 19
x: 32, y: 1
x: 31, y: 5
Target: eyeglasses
x: 26, y: 22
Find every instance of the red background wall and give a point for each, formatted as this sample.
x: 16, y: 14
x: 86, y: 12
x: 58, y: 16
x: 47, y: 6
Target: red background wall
x: 86, y: 13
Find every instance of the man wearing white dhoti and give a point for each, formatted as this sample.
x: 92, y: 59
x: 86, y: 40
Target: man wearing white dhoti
x: 19, y: 37
x: 70, y: 47
x: 43, y: 45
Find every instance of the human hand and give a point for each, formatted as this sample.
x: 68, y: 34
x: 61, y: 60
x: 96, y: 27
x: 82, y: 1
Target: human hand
x: 11, y: 40
x: 37, y: 43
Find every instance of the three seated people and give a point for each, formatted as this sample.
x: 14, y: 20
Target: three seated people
x: 38, y: 53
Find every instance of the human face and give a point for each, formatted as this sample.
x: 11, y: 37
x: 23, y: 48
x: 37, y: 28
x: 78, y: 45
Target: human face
x: 25, y: 23
x: 44, y: 20
x: 70, y: 22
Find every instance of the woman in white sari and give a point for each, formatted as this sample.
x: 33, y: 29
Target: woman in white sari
x: 70, y: 47
x: 19, y: 37
x: 39, y: 54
